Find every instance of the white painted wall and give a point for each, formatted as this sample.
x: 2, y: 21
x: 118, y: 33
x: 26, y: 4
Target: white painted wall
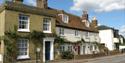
x: 107, y: 37
x: 121, y: 40
x: 116, y: 40
x: 69, y: 34
x: 121, y: 47
x: 88, y: 48
x: 1, y: 58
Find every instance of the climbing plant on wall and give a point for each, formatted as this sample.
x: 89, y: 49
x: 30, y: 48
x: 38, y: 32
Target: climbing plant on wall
x: 10, y: 40
x: 37, y: 37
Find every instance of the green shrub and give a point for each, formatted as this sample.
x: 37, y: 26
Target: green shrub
x: 67, y: 55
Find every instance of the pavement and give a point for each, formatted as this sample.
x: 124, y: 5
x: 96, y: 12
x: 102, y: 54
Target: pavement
x: 107, y: 59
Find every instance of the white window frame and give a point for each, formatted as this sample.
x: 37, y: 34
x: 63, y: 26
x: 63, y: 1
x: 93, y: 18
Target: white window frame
x: 69, y: 47
x: 47, y: 31
x: 65, y: 18
x: 24, y: 56
x: 62, y: 48
x: 95, y: 36
x: 76, y: 33
x: 87, y: 35
x: 61, y: 31
x: 27, y: 25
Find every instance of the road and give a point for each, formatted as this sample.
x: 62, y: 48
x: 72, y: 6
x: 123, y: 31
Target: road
x: 108, y: 59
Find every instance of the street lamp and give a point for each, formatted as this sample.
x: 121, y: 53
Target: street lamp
x: 37, y: 54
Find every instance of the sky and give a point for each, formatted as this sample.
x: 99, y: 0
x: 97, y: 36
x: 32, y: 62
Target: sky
x: 108, y: 12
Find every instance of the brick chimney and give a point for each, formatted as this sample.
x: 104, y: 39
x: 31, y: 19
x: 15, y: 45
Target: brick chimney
x: 85, y: 15
x: 42, y: 4
x: 18, y: 1
x: 85, y: 18
x: 94, y: 22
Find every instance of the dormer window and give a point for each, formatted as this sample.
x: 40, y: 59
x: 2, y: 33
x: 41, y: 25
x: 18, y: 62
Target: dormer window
x: 65, y: 18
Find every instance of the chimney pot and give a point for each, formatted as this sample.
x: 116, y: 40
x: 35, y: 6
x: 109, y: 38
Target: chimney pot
x: 85, y: 15
x: 94, y: 18
x: 94, y: 22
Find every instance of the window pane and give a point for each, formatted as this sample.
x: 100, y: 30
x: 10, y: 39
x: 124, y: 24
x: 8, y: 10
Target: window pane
x: 65, y: 18
x: 22, y: 46
x: 46, y: 24
x: 61, y: 31
x: 23, y: 22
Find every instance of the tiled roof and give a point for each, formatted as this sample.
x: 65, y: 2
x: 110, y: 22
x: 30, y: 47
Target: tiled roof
x: 26, y: 9
x: 103, y: 27
x: 75, y: 22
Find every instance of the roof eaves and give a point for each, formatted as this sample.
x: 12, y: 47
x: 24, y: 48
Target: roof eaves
x: 27, y: 9
x: 76, y: 28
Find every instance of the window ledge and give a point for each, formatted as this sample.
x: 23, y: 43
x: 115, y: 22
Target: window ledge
x: 23, y: 57
x: 62, y: 35
x: 77, y: 36
x: 23, y: 30
x: 47, y: 32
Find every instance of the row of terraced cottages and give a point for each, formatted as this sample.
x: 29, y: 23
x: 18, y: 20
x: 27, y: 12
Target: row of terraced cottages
x: 18, y: 21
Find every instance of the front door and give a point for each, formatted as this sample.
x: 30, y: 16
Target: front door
x: 47, y: 50
x: 79, y: 50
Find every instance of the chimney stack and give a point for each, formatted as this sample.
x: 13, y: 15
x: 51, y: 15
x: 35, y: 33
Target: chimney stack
x: 85, y: 18
x: 18, y: 1
x: 94, y: 22
x: 42, y: 4
x: 85, y: 15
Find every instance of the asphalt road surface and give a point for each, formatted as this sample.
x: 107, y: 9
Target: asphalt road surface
x: 108, y: 59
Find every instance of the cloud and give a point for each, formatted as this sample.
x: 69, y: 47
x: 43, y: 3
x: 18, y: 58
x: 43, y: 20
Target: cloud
x: 30, y: 2
x: 99, y: 24
x: 122, y: 29
x: 98, y: 5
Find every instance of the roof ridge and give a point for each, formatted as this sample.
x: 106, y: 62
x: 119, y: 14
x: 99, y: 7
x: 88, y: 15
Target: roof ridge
x: 64, y: 12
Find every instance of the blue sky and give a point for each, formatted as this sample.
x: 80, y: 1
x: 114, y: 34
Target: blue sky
x: 108, y: 12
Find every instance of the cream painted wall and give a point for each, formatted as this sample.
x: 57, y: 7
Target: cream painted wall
x: 2, y: 29
x: 2, y: 23
x: 35, y: 23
